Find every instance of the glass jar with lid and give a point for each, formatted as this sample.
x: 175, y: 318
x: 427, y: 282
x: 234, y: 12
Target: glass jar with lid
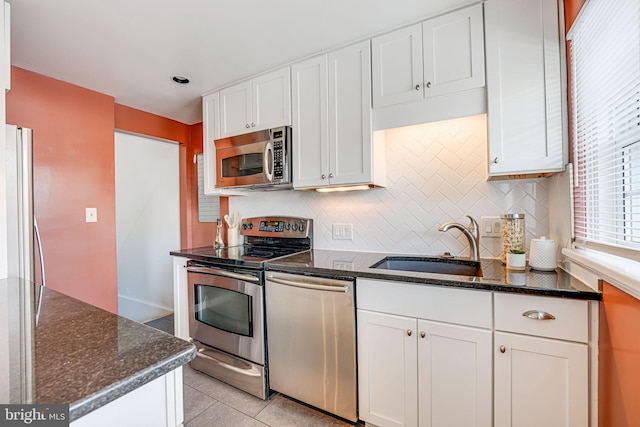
x: 512, y: 234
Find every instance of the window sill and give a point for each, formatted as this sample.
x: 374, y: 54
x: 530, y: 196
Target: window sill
x: 622, y: 273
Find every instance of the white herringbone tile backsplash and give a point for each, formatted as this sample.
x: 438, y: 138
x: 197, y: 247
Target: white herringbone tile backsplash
x: 435, y: 173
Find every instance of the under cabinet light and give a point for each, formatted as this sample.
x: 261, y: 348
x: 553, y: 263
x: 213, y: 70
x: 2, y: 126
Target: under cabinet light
x: 349, y: 188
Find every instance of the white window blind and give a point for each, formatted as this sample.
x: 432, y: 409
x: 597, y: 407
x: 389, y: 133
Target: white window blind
x: 605, y: 73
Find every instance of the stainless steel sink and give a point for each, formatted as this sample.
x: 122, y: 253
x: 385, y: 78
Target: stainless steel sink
x: 431, y: 265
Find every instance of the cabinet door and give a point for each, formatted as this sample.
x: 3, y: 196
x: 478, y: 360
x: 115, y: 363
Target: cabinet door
x: 235, y: 109
x: 397, y: 66
x: 271, y: 100
x: 310, y: 123
x: 455, y: 375
x: 540, y: 382
x: 524, y: 86
x: 350, y: 143
x: 210, y: 132
x: 387, y: 369
x: 454, y: 52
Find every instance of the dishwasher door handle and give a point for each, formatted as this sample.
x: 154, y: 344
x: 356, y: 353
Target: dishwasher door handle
x: 331, y: 288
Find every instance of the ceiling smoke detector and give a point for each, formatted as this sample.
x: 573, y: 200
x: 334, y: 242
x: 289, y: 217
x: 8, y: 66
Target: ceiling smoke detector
x: 180, y: 79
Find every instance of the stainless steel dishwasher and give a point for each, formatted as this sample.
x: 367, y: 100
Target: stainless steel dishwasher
x: 311, y: 340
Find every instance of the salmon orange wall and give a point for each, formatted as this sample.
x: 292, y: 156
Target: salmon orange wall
x: 73, y: 170
x: 619, y: 364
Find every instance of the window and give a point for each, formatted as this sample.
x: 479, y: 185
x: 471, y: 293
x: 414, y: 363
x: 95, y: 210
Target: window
x: 605, y: 75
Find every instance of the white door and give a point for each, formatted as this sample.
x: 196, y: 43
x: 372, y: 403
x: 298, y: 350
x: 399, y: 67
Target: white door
x: 147, y: 224
x: 271, y: 100
x: 387, y: 369
x: 540, y: 382
x: 397, y: 66
x: 455, y: 375
x: 453, y: 52
x: 310, y: 123
x: 350, y: 144
x: 235, y: 109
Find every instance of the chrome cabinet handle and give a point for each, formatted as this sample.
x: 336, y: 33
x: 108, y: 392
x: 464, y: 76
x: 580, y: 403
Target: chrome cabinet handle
x: 502, y: 349
x: 409, y: 332
x: 247, y: 125
x: 330, y: 175
x: 253, y: 125
x: 428, y: 85
x: 538, y: 315
x: 423, y: 334
x: 323, y: 176
x: 495, y: 160
x: 418, y: 86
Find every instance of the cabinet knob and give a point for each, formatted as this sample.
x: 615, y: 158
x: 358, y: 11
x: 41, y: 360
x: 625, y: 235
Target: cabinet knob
x: 323, y: 176
x: 418, y: 87
x: 502, y: 349
x: 247, y: 125
x: 253, y: 125
x: 495, y: 160
x: 428, y: 85
x: 331, y: 175
x: 409, y: 332
x: 423, y: 334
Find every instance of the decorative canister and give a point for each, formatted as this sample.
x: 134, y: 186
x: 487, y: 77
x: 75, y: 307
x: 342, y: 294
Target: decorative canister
x: 512, y: 234
x: 542, y: 254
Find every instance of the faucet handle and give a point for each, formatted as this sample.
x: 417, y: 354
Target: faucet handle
x: 473, y: 227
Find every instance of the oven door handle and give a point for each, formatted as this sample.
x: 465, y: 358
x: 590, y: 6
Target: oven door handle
x: 338, y: 287
x: 223, y: 273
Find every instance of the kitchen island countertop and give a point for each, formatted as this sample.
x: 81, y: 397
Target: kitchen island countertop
x: 352, y: 264
x: 63, y: 351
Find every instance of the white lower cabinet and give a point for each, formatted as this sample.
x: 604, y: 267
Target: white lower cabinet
x: 541, y: 361
x: 418, y: 372
x: 540, y: 382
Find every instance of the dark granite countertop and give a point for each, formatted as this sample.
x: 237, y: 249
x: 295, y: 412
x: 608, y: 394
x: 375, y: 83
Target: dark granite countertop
x: 351, y: 264
x: 70, y: 352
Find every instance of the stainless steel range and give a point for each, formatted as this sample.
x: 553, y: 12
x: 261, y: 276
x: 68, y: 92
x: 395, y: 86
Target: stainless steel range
x: 226, y: 294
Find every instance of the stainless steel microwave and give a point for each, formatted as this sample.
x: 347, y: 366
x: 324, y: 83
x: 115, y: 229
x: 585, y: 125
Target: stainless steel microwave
x: 259, y: 159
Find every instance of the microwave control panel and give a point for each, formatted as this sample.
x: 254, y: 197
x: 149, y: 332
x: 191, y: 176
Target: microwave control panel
x: 287, y: 227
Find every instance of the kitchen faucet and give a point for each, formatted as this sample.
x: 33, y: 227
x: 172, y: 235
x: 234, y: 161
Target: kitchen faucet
x: 472, y: 233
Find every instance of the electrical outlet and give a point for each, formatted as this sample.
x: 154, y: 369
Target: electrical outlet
x: 91, y: 214
x: 490, y: 226
x: 342, y: 231
x: 343, y: 265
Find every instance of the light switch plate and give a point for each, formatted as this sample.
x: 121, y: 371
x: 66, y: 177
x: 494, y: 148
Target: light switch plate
x: 91, y: 215
x: 342, y: 231
x: 490, y: 226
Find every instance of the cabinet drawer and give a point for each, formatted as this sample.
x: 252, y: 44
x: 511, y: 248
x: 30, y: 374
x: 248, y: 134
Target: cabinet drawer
x: 439, y: 303
x: 570, y: 322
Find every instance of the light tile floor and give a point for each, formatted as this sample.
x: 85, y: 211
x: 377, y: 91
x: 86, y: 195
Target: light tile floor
x: 212, y: 403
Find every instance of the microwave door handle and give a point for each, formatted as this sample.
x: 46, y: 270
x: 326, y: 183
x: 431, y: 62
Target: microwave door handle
x: 268, y: 162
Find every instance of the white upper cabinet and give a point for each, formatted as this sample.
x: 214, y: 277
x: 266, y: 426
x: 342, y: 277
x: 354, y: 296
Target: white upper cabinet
x: 261, y: 103
x: 524, y: 87
x: 453, y: 47
x: 211, y: 132
x: 332, y: 136
x: 397, y: 66
x: 441, y: 56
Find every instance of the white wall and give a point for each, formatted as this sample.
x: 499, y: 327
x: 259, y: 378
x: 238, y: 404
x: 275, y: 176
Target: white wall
x: 435, y: 173
x: 147, y: 224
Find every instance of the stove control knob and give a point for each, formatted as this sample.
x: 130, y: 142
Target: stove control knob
x: 294, y: 227
x: 250, y: 226
x: 287, y: 226
x: 301, y: 228
x: 244, y: 226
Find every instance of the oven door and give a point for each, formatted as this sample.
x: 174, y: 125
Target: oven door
x: 226, y: 310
